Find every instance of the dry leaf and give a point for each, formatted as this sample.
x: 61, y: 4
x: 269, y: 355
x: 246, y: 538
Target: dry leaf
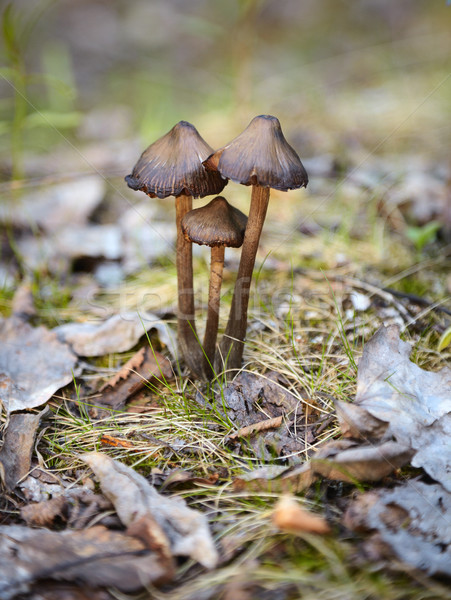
x: 359, y: 462
x: 95, y: 556
x: 15, y: 455
x: 93, y: 241
x: 44, y: 514
x: 146, y: 365
x: 412, y: 520
x: 55, y: 206
x: 397, y: 399
x: 289, y: 516
x: 134, y: 497
x: 341, y: 460
x: 252, y: 398
x: 117, y: 334
x: 257, y: 427
x: 33, y: 364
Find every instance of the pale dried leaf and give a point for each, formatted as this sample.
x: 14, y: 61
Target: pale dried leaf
x: 412, y: 519
x: 95, y: 241
x: 33, y: 364
x: 134, y: 497
x: 119, y: 333
x: 95, y: 556
x: 415, y: 403
x: 55, y: 206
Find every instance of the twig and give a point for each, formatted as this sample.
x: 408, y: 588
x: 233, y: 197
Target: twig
x: 257, y: 427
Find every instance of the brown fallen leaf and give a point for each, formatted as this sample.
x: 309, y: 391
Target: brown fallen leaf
x: 152, y: 535
x: 44, y: 514
x: 75, y: 506
x: 33, y: 364
x: 95, y: 556
x: 134, y: 497
x: 15, y: 455
x: 144, y: 366
x: 289, y: 516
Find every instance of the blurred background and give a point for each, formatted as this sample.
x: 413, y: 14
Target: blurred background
x: 362, y: 90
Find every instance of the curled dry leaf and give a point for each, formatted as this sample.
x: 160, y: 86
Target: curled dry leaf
x: 357, y: 462
x: 397, y: 399
x: 95, y: 556
x: 257, y: 427
x: 44, y: 514
x: 15, y: 455
x: 119, y: 333
x: 134, y: 498
x: 144, y: 366
x: 33, y: 364
x: 412, y: 520
x: 289, y: 516
x: 341, y: 460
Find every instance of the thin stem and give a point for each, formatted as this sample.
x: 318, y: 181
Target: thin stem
x: 232, y: 344
x: 214, y: 297
x: 188, y: 341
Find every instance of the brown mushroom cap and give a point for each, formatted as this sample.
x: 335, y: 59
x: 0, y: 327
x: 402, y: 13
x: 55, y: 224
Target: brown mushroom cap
x: 172, y: 166
x: 218, y: 223
x: 260, y: 156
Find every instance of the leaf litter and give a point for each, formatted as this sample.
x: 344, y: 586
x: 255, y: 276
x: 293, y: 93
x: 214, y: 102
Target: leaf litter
x: 401, y: 415
x: 267, y: 414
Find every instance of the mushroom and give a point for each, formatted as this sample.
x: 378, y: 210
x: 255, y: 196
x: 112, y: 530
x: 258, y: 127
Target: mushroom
x: 261, y: 157
x: 218, y: 225
x: 172, y: 166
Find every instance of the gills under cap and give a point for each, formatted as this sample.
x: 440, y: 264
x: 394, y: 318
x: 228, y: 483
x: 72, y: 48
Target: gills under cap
x: 218, y: 223
x: 260, y: 155
x: 172, y: 166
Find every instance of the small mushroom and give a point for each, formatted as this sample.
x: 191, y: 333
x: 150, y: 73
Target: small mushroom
x: 261, y: 157
x: 218, y: 225
x: 172, y: 166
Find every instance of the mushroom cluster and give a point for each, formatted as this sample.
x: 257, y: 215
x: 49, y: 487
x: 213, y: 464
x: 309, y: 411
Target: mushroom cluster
x: 183, y: 165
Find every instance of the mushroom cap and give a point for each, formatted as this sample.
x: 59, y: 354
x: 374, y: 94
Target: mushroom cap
x: 260, y: 156
x: 172, y: 166
x: 218, y: 223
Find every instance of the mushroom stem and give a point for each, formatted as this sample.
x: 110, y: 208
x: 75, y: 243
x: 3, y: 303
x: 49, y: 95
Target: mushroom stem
x: 232, y: 344
x: 188, y: 341
x: 214, y: 297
